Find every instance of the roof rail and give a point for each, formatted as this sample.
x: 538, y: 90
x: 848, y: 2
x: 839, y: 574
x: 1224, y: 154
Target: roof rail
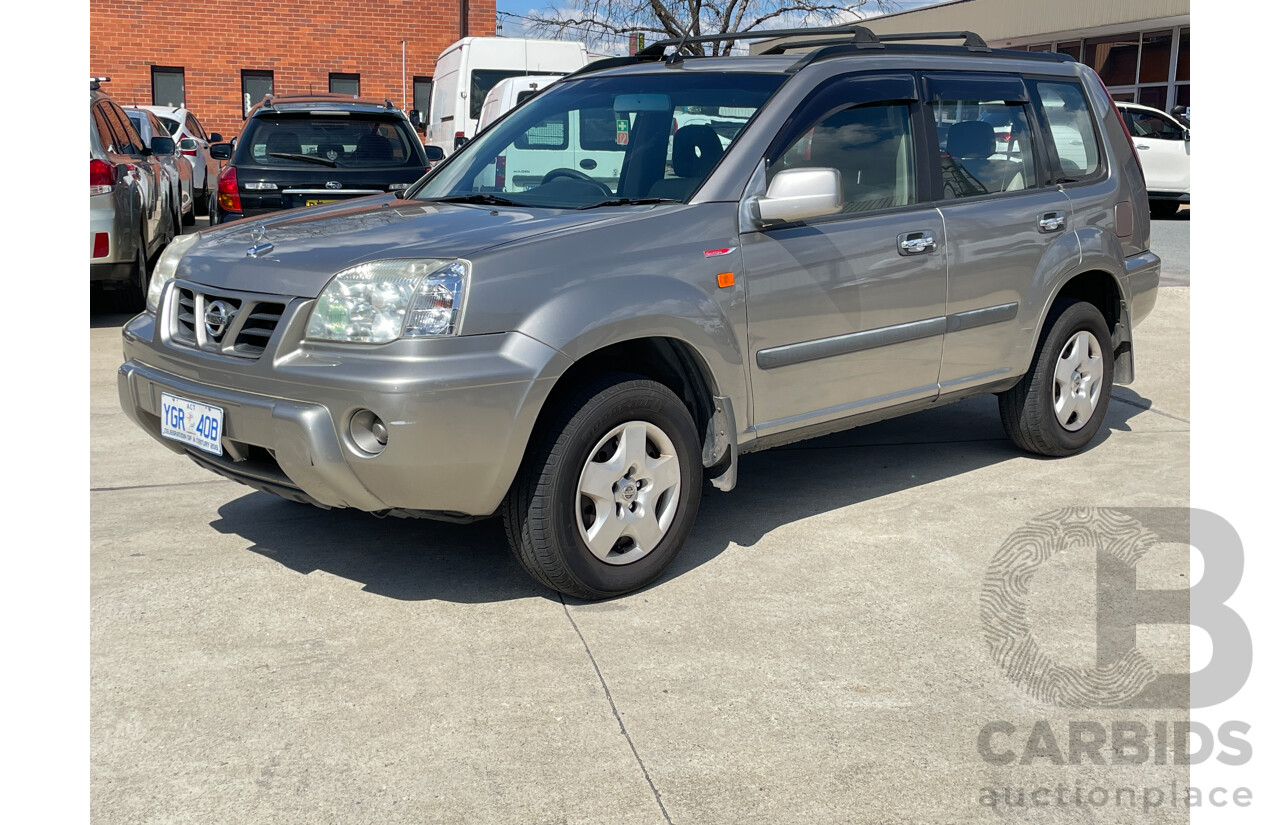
x: 268, y: 101
x: 972, y: 41
x: 387, y: 104
x: 94, y: 81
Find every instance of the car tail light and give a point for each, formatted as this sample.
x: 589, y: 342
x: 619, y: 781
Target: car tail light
x: 102, y: 177
x: 189, y: 152
x: 500, y: 172
x: 459, y: 140
x: 229, y: 191
x: 101, y: 244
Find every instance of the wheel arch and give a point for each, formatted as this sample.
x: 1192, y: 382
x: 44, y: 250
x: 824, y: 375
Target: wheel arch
x: 1099, y: 286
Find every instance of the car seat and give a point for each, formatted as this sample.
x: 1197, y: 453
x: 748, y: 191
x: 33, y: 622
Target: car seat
x: 695, y: 150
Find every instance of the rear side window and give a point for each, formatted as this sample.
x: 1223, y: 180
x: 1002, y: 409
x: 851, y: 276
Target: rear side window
x: 337, y: 142
x: 1151, y: 125
x: 598, y: 130
x: 873, y: 148
x: 1071, y: 130
x: 985, y: 147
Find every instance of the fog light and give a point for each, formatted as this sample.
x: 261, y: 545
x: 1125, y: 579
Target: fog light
x: 368, y: 432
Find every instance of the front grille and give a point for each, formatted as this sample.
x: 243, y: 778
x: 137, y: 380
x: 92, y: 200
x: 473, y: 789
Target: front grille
x: 233, y: 324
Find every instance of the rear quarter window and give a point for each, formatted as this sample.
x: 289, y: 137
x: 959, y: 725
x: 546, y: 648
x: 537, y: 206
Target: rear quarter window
x: 1071, y: 130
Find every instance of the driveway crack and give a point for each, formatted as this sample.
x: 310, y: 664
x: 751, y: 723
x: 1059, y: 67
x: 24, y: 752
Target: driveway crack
x: 657, y: 797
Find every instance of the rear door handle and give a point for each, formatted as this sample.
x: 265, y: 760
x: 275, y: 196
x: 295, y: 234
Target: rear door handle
x: 916, y: 243
x: 1052, y: 221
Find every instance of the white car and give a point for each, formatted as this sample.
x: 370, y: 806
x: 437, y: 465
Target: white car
x: 1164, y: 147
x: 193, y: 143
x: 176, y: 165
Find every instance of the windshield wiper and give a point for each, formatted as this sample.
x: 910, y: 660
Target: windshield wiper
x: 478, y: 197
x: 628, y: 202
x: 307, y: 158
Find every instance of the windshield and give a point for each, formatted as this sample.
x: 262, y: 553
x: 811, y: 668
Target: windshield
x: 348, y: 141
x: 605, y: 140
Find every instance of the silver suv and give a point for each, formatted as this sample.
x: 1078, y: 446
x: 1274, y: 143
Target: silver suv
x: 831, y: 238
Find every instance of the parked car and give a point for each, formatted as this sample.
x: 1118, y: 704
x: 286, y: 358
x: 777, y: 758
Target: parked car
x: 177, y: 166
x: 1164, y: 146
x: 583, y: 355
x: 193, y: 143
x: 131, y: 214
x: 510, y: 93
x: 468, y: 69
x: 312, y: 149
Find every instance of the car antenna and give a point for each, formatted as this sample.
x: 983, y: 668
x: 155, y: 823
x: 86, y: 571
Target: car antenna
x: 675, y: 58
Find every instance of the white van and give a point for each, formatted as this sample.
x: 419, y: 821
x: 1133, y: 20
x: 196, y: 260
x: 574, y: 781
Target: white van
x: 467, y: 70
x: 588, y: 138
x: 507, y: 94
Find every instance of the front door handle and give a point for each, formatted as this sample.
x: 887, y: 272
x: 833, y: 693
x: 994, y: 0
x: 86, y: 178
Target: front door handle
x: 1141, y: 146
x: 916, y: 243
x: 1052, y: 221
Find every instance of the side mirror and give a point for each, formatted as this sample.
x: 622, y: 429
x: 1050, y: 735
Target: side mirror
x: 1186, y: 135
x: 220, y: 151
x: 459, y: 141
x: 162, y: 146
x: 799, y: 194
x: 216, y: 137
x: 415, y: 117
x: 434, y: 153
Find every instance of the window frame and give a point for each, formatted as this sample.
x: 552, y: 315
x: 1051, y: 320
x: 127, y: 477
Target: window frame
x: 1054, y: 163
x: 245, y: 74
x: 181, y: 72
x: 344, y: 76
x: 935, y: 83
x: 424, y: 113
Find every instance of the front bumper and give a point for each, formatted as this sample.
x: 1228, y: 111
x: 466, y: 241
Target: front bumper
x: 459, y: 412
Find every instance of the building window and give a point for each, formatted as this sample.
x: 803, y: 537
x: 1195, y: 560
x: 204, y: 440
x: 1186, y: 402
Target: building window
x: 254, y: 86
x: 342, y: 83
x: 422, y: 97
x: 168, y: 86
x: 1115, y: 59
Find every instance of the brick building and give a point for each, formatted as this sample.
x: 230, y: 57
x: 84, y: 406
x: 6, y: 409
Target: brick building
x: 216, y: 56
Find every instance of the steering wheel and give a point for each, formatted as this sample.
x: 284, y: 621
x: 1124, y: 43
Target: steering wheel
x: 564, y: 172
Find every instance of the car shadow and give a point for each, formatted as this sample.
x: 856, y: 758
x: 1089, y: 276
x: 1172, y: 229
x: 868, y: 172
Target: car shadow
x: 414, y: 560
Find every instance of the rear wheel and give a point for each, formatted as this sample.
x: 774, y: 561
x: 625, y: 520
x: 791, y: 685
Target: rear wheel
x: 606, y: 499
x: 129, y: 295
x: 1058, y: 406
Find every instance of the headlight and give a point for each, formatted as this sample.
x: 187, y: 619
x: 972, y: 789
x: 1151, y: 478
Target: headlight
x: 167, y: 267
x: 380, y: 301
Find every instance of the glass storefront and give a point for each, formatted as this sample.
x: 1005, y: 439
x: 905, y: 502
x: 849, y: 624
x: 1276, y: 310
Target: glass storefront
x: 1148, y: 67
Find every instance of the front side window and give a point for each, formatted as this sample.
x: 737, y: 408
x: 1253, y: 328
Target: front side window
x: 168, y: 86
x: 1151, y: 125
x: 600, y: 139
x: 356, y: 141
x: 871, y: 146
x: 985, y: 147
x: 1070, y: 129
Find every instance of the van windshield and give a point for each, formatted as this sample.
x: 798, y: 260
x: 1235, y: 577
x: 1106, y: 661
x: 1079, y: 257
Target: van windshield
x: 606, y: 140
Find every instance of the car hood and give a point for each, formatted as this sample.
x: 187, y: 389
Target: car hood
x: 308, y: 246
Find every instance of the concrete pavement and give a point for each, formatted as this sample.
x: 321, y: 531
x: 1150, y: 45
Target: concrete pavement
x: 815, y: 654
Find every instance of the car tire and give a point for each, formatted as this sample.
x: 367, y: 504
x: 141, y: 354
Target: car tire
x: 189, y: 217
x: 1058, y: 406
x: 201, y: 205
x: 624, y: 443
x: 1164, y: 210
x: 130, y: 295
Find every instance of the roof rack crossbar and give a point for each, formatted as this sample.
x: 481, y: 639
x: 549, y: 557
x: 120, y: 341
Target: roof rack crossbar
x: 654, y: 51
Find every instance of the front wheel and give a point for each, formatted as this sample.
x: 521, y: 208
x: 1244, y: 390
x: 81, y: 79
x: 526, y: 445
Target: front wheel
x: 1058, y: 406
x: 606, y: 499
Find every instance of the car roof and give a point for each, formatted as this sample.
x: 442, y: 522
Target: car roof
x: 322, y: 103
x: 174, y: 111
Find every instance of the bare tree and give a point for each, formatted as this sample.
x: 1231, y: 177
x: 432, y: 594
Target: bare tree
x: 661, y: 19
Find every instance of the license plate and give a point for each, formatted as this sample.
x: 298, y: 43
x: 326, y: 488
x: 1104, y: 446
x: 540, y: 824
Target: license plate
x: 318, y: 201
x: 191, y: 422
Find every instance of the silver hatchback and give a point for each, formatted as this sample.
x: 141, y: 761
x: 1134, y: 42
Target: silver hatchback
x: 794, y: 244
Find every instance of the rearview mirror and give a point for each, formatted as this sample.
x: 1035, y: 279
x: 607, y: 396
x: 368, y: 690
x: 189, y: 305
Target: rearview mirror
x: 799, y: 194
x: 220, y: 151
x: 162, y: 146
x: 434, y: 153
